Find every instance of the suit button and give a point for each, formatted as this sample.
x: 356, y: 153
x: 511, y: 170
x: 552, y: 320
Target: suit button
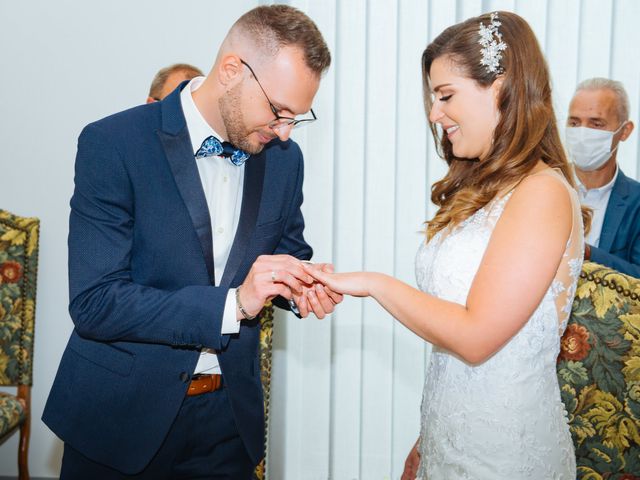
x: 184, y: 376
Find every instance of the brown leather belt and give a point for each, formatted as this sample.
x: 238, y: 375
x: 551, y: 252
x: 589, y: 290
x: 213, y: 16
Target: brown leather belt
x: 204, y: 384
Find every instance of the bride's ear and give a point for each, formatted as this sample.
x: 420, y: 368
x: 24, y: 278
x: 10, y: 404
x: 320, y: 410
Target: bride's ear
x: 496, y: 86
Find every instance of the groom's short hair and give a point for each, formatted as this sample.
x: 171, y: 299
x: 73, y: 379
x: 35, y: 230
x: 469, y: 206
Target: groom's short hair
x: 272, y: 27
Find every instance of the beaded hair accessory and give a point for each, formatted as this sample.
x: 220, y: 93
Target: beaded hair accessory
x: 492, y: 45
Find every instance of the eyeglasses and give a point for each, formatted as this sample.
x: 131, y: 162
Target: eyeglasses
x: 281, y: 121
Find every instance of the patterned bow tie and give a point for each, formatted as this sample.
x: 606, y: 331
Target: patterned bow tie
x: 212, y: 147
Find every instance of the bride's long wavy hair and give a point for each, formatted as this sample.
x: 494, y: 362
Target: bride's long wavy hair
x: 526, y: 131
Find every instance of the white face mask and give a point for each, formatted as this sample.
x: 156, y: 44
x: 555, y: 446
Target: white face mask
x: 590, y: 148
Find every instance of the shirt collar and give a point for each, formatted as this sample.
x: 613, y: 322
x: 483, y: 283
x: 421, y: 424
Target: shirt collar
x: 603, y: 189
x: 198, y: 127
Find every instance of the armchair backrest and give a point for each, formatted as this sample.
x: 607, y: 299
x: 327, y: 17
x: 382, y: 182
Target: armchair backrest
x: 266, y: 354
x: 599, y: 373
x: 18, y: 279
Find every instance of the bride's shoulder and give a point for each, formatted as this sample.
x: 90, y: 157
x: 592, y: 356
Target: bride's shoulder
x: 545, y: 179
x: 545, y: 190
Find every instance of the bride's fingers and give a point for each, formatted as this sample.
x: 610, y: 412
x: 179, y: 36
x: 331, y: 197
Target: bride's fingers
x: 317, y: 274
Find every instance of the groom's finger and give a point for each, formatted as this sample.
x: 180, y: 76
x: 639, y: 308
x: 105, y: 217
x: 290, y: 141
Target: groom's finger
x: 315, y: 304
x: 281, y: 276
x: 302, y: 305
x: 327, y: 267
x: 324, y: 299
x: 283, y: 263
x: 335, y: 297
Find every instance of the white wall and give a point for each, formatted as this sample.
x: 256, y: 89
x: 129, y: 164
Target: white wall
x: 65, y: 63
x: 346, y: 390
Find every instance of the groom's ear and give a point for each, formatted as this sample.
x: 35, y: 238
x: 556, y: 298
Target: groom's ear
x: 229, y: 70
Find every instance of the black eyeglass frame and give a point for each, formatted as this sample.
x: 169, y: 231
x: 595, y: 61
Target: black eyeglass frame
x: 280, y: 121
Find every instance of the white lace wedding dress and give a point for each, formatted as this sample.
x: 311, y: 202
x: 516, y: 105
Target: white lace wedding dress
x: 503, y: 418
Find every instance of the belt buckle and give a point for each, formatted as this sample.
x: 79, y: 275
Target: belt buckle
x: 204, y: 383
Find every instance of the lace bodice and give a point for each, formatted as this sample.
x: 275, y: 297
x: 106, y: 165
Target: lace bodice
x: 503, y: 418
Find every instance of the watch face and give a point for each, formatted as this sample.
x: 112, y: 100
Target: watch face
x: 294, y: 307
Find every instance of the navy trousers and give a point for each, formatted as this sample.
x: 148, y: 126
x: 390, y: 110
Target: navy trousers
x: 203, y: 443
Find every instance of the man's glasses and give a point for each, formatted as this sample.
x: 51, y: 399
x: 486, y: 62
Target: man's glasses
x: 281, y: 121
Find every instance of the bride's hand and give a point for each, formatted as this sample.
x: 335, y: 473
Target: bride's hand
x: 316, y: 297
x: 354, y: 283
x: 411, y: 463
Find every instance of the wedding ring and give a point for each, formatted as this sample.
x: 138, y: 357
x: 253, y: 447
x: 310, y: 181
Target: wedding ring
x: 273, y: 276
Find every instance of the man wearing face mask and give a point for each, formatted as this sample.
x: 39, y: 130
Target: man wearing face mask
x: 598, y: 121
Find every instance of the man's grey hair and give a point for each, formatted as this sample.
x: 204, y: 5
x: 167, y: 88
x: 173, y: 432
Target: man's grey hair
x: 600, y: 83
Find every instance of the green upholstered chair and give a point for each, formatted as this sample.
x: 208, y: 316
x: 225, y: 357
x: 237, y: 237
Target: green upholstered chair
x: 18, y: 273
x: 599, y: 374
x: 266, y: 343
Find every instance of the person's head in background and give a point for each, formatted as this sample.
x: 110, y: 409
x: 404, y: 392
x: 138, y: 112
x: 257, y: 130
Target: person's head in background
x: 265, y: 77
x: 598, y: 121
x: 168, y: 78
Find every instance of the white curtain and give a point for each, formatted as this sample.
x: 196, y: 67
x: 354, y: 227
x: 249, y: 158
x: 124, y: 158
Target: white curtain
x: 346, y: 390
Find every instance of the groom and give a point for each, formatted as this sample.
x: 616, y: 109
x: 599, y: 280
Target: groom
x: 185, y: 219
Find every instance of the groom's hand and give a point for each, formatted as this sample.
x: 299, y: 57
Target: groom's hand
x: 316, y: 297
x: 270, y: 276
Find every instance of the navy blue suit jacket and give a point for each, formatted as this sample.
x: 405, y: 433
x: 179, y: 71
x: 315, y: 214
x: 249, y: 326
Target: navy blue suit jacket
x: 619, y: 246
x: 141, y: 281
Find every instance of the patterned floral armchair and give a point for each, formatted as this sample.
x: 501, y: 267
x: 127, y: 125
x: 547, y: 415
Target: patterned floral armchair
x: 18, y: 272
x: 266, y: 342
x: 599, y: 374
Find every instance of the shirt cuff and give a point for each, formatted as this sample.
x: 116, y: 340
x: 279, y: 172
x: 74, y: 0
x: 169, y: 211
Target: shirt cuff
x: 230, y: 323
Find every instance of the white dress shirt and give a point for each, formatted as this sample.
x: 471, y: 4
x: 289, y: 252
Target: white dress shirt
x: 222, y: 183
x: 597, y: 199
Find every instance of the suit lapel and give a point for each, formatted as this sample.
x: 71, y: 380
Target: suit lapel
x: 177, y: 146
x: 252, y: 193
x: 615, y: 212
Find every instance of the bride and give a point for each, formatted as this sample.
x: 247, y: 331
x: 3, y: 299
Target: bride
x: 498, y: 271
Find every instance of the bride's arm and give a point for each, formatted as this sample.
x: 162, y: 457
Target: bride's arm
x: 520, y: 262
